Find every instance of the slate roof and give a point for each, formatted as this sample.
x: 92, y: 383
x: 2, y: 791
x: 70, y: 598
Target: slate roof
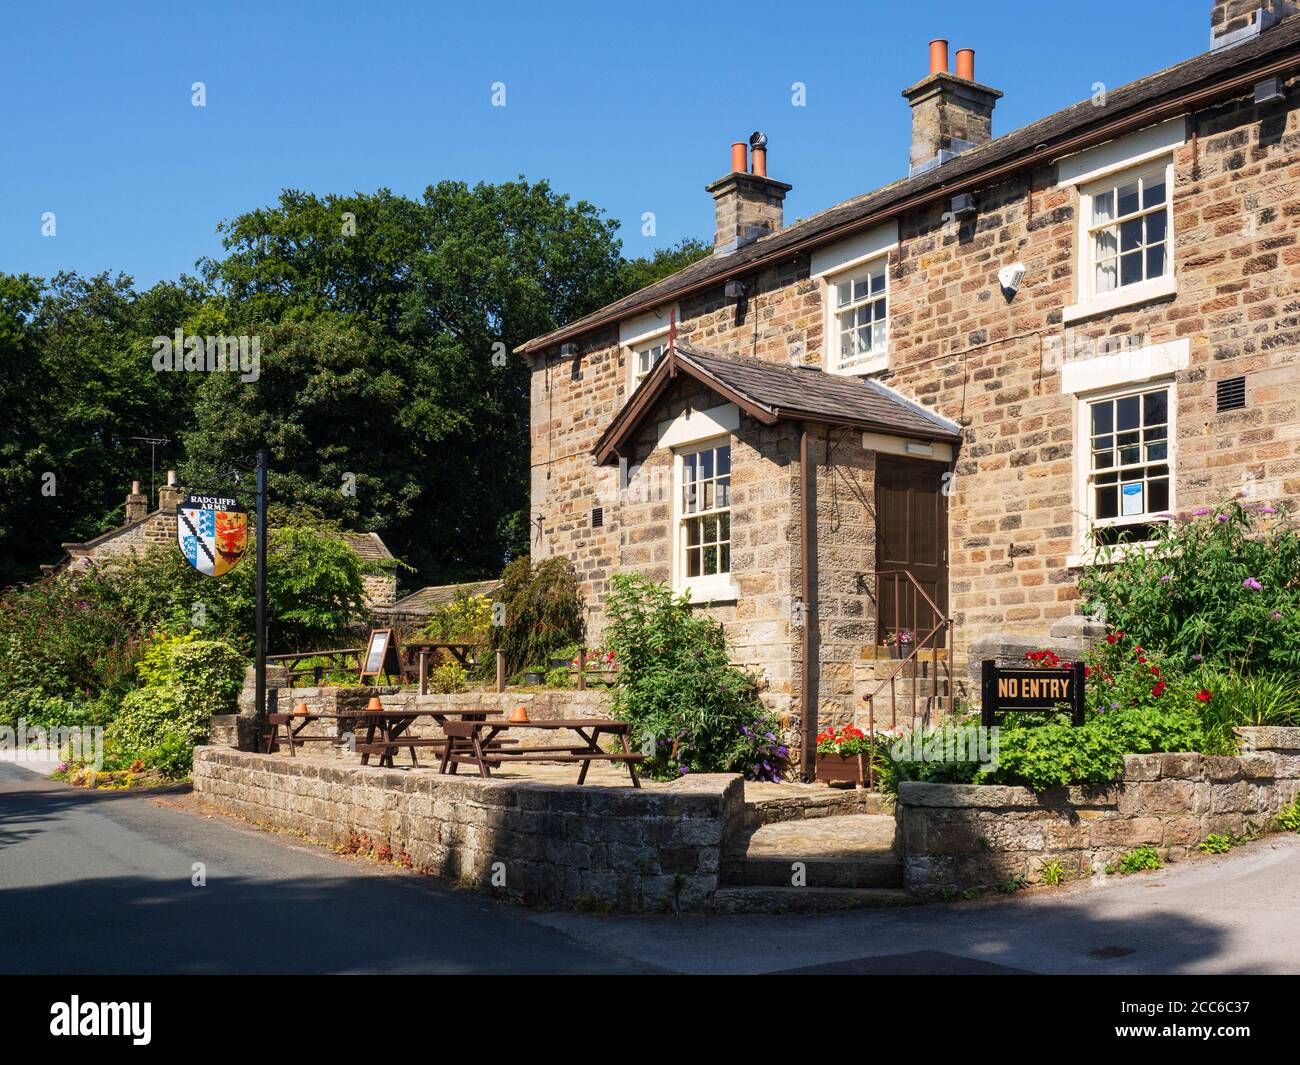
x: 1157, y: 96
x: 771, y: 393
x: 429, y: 598
x: 369, y: 547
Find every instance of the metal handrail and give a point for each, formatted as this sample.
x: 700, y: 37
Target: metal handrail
x: 942, y: 623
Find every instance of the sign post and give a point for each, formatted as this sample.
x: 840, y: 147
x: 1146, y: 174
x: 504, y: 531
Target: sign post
x: 1014, y: 690
x: 260, y: 621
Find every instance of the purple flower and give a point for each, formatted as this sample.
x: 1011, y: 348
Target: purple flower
x: 1200, y: 513
x: 683, y: 769
x: 1277, y: 615
x: 1221, y: 517
x: 1166, y: 578
x: 1196, y: 658
x: 1268, y: 510
x: 1252, y: 584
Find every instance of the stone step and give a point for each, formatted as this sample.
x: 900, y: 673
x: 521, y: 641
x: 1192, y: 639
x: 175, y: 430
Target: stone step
x: 804, y: 900
x: 850, y: 851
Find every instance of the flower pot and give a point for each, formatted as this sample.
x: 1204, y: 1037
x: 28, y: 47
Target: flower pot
x: 896, y: 650
x: 560, y: 663
x: 842, y: 769
x: 534, y: 677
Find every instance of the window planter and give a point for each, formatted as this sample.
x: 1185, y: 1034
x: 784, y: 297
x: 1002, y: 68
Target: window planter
x: 842, y: 769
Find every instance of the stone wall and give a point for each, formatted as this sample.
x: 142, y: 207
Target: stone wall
x: 592, y: 847
x: 956, y: 837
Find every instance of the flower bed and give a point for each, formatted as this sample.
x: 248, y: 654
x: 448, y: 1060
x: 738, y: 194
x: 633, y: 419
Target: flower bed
x: 956, y: 838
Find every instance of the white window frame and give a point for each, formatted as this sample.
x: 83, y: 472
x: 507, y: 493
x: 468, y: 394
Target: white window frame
x: 879, y: 357
x: 1090, y: 301
x: 1085, y: 499
x: 640, y: 348
x: 713, y: 587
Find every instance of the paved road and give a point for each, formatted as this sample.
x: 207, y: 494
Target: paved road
x: 101, y: 882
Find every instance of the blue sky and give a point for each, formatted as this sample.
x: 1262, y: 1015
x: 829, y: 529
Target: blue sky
x: 630, y: 107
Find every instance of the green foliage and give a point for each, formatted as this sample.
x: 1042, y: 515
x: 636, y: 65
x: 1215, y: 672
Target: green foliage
x: 676, y: 684
x: 636, y: 274
x: 173, y: 757
x: 1053, y: 873
x: 1220, y: 587
x: 544, y: 610
x: 387, y: 336
x: 76, y: 384
x: 1216, y: 843
x: 447, y: 679
x: 1139, y: 859
x: 559, y: 678
x: 1058, y: 754
x: 186, y: 681
x: 1013, y: 884
x: 466, y: 619
x: 1289, y: 818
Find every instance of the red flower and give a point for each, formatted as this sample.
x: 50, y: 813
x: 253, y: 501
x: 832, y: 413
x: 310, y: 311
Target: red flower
x: 1087, y: 671
x: 1155, y: 670
x: 1159, y: 689
x: 1112, y: 638
x: 1142, y: 659
x: 1203, y: 695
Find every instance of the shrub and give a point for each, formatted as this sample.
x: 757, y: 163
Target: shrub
x: 544, y: 610
x: 447, y: 679
x: 1215, y: 843
x: 1219, y: 585
x: 1135, y: 861
x: 1057, y: 754
x: 173, y: 757
x: 466, y: 619
x: 187, y: 681
x: 677, y: 685
x: 1289, y: 819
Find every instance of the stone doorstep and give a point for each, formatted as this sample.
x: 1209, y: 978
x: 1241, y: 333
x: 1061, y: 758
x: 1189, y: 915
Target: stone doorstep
x: 742, y: 899
x: 847, y: 851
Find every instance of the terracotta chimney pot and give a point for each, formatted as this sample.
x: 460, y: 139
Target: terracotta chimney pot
x: 966, y: 63
x: 939, y: 56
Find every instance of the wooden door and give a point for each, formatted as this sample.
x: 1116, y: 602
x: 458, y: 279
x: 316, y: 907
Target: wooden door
x: 911, y: 535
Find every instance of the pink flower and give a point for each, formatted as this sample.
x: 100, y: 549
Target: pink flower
x: 1252, y: 584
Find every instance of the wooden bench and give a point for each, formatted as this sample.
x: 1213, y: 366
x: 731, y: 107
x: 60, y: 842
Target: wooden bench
x: 477, y: 743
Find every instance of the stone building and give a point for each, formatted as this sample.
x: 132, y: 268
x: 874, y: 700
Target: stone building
x: 143, y: 529
x: 951, y: 390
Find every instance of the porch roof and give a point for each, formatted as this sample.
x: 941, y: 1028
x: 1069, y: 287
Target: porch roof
x: 770, y: 393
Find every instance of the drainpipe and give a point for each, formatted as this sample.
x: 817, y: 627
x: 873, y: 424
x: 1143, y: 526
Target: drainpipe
x: 807, y: 692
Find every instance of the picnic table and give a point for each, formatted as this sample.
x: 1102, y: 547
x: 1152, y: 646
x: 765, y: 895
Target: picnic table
x: 386, y: 730
x: 479, y: 743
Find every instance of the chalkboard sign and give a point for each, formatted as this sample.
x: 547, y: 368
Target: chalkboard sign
x: 1030, y: 690
x: 382, y: 655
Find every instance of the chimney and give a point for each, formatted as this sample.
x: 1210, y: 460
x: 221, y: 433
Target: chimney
x: 1237, y: 21
x: 950, y: 112
x: 747, y: 203
x: 137, y: 504
x: 169, y: 495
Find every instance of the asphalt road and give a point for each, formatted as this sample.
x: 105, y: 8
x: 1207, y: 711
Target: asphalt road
x: 97, y: 882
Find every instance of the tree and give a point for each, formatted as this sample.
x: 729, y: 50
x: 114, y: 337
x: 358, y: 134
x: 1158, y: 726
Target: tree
x: 77, y: 384
x: 388, y: 330
x: 636, y: 274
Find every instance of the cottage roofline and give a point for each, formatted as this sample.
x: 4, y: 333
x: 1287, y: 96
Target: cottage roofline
x: 914, y: 423
x: 1177, y: 90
